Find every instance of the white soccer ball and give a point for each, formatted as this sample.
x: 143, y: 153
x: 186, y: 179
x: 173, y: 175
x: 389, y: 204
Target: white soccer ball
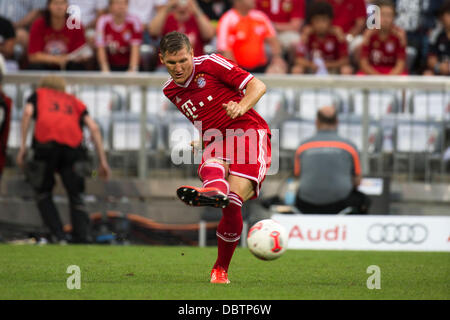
x: 267, y: 239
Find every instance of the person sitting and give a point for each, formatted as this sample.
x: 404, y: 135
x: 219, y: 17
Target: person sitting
x: 323, y: 48
x: 55, y: 44
x: 329, y: 170
x: 438, y: 60
x: 384, y: 50
x: 119, y: 36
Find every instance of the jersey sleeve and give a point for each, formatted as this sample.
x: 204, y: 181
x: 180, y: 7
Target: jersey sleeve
x: 223, y: 33
x: 228, y: 72
x: 270, y: 29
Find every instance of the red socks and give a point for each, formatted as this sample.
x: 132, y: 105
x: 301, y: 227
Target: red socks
x: 229, y: 231
x: 213, y: 175
x: 230, y: 226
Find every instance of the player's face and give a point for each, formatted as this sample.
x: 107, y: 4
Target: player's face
x: 179, y: 64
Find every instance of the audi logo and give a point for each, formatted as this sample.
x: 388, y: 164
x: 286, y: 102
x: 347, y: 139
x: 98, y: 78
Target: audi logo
x: 397, y: 233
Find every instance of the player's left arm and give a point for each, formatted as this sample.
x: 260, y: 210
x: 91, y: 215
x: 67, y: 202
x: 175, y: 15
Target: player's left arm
x: 25, y: 126
x: 254, y: 90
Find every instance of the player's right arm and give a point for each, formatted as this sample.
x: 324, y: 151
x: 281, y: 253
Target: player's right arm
x: 254, y: 90
x: 104, y: 170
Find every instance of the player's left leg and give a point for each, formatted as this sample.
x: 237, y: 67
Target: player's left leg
x: 213, y: 172
x: 230, y: 226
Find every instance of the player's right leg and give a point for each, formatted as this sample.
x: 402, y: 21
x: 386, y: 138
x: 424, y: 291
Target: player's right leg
x: 214, y: 192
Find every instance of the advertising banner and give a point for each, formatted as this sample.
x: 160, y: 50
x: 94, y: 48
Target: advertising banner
x: 398, y: 233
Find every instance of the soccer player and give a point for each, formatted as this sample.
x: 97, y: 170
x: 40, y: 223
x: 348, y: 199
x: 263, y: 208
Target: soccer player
x: 208, y: 90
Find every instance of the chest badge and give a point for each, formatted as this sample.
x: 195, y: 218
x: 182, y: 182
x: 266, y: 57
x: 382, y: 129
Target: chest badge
x: 200, y: 79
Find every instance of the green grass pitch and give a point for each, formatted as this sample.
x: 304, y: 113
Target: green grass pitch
x: 166, y: 273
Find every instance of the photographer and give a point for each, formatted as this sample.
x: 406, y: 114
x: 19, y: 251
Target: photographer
x: 57, y: 147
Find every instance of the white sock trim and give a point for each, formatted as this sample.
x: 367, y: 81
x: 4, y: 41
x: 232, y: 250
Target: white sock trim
x: 228, y: 239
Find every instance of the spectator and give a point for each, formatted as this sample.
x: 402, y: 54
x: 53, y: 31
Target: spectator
x: 184, y: 16
x: 438, y: 60
x: 350, y: 17
x: 22, y: 13
x: 7, y: 38
x: 119, y: 36
x: 328, y: 167
x: 287, y: 17
x: 5, y: 118
x: 417, y: 18
x: 323, y: 49
x: 57, y: 146
x: 53, y: 45
x: 241, y: 35
x: 214, y: 9
x: 384, y: 49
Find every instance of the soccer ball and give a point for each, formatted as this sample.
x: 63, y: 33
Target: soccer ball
x: 267, y: 239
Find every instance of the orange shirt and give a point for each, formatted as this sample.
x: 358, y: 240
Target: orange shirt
x: 244, y: 36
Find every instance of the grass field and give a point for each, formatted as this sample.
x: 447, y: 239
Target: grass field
x: 152, y: 272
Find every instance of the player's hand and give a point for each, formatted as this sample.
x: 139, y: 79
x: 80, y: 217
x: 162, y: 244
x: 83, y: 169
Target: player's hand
x: 233, y: 109
x: 20, y: 159
x: 104, y: 171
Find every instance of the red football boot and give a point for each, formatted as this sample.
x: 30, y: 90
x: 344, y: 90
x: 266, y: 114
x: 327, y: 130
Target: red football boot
x: 219, y: 275
x: 199, y: 197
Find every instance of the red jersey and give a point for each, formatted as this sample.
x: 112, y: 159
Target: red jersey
x: 5, y: 117
x: 346, y: 12
x: 118, y: 39
x: 329, y: 48
x: 44, y: 38
x: 190, y: 28
x: 213, y: 82
x: 383, y: 52
x: 58, y: 118
x: 282, y: 10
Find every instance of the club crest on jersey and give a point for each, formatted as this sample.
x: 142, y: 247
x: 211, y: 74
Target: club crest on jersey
x: 201, y: 81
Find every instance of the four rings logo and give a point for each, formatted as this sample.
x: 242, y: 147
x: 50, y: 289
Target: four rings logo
x: 397, y: 233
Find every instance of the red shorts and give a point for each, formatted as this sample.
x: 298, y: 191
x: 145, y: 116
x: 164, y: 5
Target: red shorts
x: 248, y: 154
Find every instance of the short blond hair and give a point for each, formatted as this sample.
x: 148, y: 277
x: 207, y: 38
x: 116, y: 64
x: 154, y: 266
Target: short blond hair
x: 53, y: 82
